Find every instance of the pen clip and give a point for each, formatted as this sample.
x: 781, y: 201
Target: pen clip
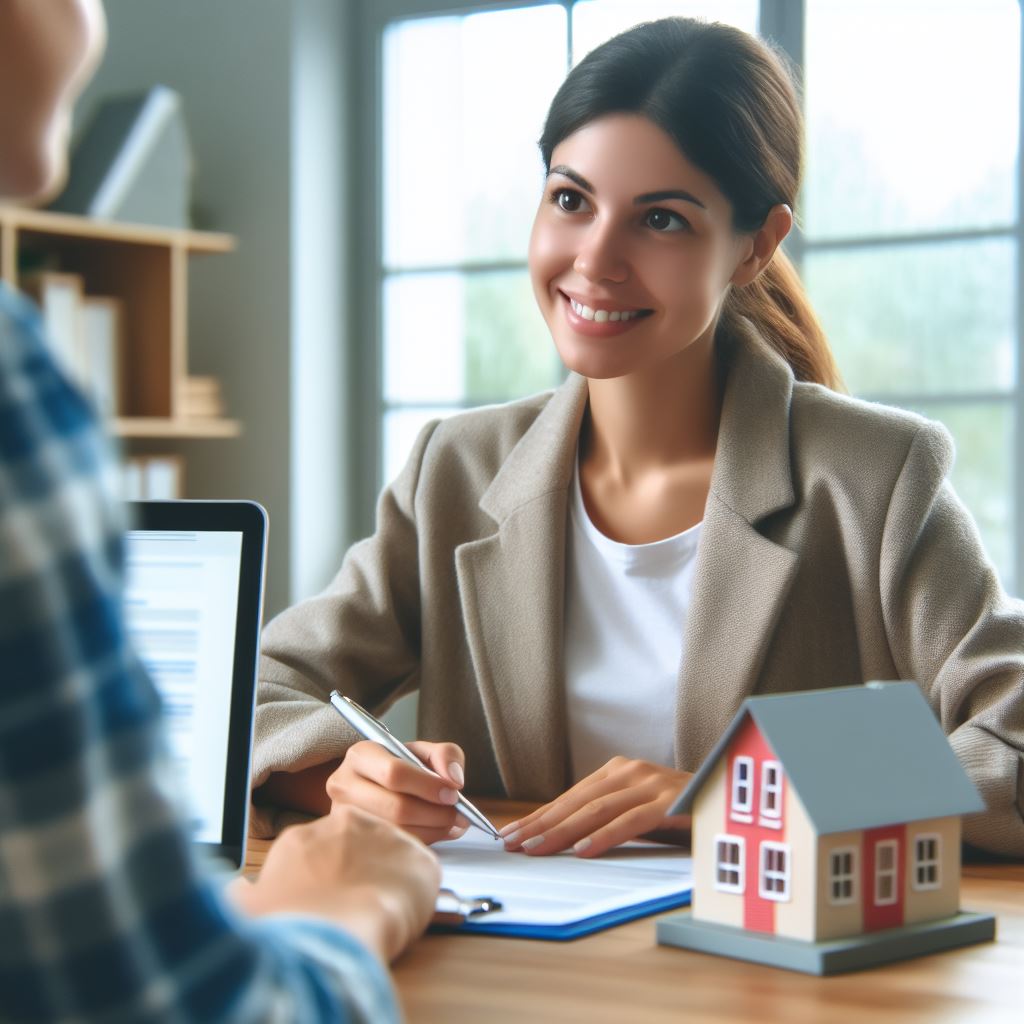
x: 366, y: 714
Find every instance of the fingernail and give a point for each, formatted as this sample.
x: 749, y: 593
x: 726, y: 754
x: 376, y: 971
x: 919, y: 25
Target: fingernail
x: 448, y: 796
x: 532, y: 842
x: 511, y: 839
x: 461, y: 821
x: 583, y: 845
x: 455, y: 774
x: 455, y: 831
x: 508, y: 829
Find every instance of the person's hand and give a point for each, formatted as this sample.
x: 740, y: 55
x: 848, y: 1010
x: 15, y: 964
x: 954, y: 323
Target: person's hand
x: 375, y: 780
x: 372, y: 879
x: 623, y: 800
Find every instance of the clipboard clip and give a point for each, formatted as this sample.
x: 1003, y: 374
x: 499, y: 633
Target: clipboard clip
x: 451, y: 908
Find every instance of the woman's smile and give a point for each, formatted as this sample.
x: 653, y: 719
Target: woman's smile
x: 600, y: 318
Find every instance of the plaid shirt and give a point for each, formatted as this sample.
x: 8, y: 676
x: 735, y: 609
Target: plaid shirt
x: 104, y: 912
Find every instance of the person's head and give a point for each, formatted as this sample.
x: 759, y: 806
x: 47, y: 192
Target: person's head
x: 48, y: 51
x: 711, y: 114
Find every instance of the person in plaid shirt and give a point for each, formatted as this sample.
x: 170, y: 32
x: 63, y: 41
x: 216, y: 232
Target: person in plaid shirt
x: 105, y: 915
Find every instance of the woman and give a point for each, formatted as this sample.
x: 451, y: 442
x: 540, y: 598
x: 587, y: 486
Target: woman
x: 585, y: 585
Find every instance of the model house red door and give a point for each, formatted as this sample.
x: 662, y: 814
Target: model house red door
x: 884, y: 877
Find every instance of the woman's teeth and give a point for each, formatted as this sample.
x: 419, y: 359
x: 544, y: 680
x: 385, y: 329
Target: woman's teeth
x: 602, y: 315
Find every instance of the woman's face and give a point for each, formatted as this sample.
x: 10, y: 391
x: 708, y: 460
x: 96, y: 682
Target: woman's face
x: 48, y: 50
x: 632, y: 248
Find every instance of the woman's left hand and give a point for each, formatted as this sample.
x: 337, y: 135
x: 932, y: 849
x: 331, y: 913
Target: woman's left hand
x: 623, y: 800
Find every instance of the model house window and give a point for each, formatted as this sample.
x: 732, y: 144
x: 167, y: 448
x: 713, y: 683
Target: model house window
x: 729, y: 863
x: 926, y: 862
x: 885, y: 872
x: 773, y: 878
x: 771, y: 790
x: 742, y: 786
x: 842, y: 876
x: 890, y: 208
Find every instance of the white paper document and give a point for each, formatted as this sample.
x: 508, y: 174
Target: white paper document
x: 563, y: 896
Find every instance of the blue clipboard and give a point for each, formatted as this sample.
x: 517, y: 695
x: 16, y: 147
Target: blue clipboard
x: 473, y: 921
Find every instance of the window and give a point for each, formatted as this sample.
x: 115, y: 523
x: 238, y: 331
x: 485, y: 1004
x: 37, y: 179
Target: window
x: 909, y: 231
x: 911, y: 238
x: 885, y: 872
x: 742, y: 775
x: 771, y: 793
x: 773, y: 878
x: 842, y: 876
x: 729, y: 863
x: 926, y: 862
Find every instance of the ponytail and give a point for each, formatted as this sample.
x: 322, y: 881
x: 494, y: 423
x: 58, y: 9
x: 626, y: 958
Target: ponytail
x: 777, y: 305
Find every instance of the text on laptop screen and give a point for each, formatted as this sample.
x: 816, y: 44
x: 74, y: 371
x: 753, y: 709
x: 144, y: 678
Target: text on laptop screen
x: 181, y: 603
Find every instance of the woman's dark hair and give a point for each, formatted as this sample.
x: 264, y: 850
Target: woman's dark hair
x: 728, y: 102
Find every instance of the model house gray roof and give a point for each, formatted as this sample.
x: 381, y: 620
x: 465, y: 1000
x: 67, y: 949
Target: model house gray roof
x: 858, y: 756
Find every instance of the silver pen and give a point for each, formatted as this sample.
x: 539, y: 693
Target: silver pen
x: 366, y: 725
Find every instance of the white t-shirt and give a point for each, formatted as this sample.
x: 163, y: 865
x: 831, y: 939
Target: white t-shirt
x: 625, y: 617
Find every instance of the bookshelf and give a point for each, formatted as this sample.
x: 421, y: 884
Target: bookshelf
x: 145, y: 270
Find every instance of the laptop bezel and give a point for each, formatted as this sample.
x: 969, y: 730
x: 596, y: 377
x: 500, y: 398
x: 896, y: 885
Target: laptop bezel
x: 250, y: 519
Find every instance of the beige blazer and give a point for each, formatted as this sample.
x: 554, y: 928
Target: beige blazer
x: 833, y: 552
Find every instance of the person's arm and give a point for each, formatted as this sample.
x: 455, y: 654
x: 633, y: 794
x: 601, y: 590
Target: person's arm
x: 360, y: 636
x: 952, y: 628
x: 110, y: 915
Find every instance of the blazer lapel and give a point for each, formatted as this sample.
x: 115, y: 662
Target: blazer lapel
x: 511, y: 586
x: 741, y: 577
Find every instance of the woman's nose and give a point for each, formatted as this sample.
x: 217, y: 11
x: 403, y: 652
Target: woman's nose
x: 600, y: 256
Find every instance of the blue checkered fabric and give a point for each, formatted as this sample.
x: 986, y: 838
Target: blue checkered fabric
x: 105, y: 914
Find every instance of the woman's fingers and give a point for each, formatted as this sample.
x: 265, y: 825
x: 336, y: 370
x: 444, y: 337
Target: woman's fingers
x: 371, y: 761
x: 623, y: 800
x: 578, y: 825
x: 447, y: 759
x: 595, y: 785
x: 414, y: 798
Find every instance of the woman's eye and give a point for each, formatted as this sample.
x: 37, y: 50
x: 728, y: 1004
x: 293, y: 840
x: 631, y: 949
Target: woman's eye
x: 666, y: 220
x: 569, y: 200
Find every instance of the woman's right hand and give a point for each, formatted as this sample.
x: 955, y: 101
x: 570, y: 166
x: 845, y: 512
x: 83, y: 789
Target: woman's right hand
x: 375, y: 780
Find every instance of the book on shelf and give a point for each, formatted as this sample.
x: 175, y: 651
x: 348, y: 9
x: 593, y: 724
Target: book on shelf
x: 101, y: 320
x: 152, y: 477
x: 200, y: 399
x: 59, y: 297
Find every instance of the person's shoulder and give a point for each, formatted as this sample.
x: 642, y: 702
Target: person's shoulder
x: 465, y: 451
x: 488, y: 433
x: 864, y: 437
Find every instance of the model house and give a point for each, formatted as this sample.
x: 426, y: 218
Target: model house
x: 826, y: 816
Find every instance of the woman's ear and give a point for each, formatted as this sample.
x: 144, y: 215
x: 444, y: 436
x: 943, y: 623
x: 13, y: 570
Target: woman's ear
x: 762, y: 244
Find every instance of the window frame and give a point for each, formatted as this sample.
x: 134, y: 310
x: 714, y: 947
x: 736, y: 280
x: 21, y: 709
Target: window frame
x: 892, y: 872
x: 742, y: 810
x: 771, y: 817
x: 723, y: 839
x: 925, y: 863
x: 837, y: 877
x: 766, y: 874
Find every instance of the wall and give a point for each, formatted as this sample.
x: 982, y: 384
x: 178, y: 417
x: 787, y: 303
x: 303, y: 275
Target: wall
x: 262, y: 124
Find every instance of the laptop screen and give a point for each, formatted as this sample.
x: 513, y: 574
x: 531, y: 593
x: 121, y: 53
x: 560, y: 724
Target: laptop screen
x: 189, y: 607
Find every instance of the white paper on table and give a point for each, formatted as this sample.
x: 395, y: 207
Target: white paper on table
x: 562, y: 888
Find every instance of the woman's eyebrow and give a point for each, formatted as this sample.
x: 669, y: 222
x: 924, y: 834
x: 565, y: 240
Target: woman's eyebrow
x: 577, y: 179
x: 669, y: 193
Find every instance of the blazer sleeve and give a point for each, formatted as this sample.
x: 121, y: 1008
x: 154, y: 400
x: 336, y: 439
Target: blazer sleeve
x: 360, y: 636
x: 955, y: 631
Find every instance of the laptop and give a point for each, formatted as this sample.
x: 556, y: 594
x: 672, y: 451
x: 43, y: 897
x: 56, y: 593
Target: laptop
x: 193, y: 603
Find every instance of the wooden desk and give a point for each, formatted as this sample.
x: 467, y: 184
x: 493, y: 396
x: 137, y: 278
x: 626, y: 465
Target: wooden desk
x: 621, y: 976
